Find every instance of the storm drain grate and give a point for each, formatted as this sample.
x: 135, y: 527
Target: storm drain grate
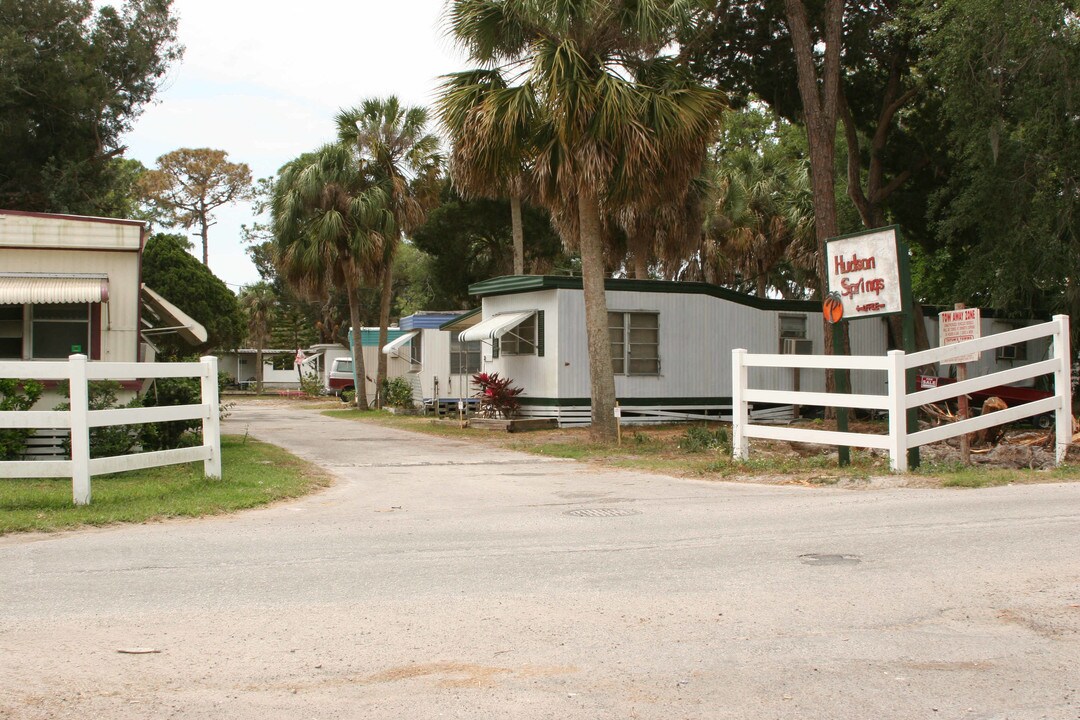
x: 602, y: 512
x: 822, y: 559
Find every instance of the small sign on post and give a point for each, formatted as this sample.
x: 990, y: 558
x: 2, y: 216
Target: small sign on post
x: 956, y: 326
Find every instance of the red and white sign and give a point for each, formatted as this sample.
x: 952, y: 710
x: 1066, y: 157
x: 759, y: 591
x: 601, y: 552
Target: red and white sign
x: 864, y: 273
x: 956, y: 326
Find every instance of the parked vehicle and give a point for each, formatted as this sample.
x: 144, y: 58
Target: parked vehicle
x: 340, y: 379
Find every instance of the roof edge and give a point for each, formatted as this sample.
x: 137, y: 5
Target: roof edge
x: 513, y: 284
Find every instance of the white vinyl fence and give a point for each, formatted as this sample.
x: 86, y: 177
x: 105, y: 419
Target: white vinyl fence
x: 898, y: 401
x: 78, y: 372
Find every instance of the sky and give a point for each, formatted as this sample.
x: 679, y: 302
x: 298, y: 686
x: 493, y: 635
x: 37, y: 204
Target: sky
x: 264, y: 80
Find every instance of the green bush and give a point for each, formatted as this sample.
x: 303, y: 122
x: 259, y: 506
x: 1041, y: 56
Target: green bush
x: 397, y: 393
x: 699, y: 439
x: 17, y: 395
x: 165, y: 392
x: 109, y: 440
x: 311, y: 385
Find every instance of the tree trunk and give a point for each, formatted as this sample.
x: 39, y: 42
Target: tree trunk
x: 518, y: 233
x: 641, y: 266
x: 205, y: 234
x: 259, y: 369
x: 357, y: 347
x: 601, y: 375
x: 384, y: 323
x: 820, y: 102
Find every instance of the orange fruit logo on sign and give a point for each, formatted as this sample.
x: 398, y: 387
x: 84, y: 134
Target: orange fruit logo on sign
x: 833, y: 307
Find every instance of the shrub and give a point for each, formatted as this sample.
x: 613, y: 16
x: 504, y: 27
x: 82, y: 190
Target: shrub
x: 166, y: 392
x: 496, y: 395
x: 699, y: 439
x: 311, y: 385
x: 397, y: 393
x: 17, y: 395
x: 108, y: 440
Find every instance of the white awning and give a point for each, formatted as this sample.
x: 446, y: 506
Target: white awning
x: 495, y: 326
x: 398, y: 342
x: 176, y: 319
x: 46, y: 288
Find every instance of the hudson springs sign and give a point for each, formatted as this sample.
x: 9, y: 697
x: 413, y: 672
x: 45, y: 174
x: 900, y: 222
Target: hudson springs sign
x: 864, y: 273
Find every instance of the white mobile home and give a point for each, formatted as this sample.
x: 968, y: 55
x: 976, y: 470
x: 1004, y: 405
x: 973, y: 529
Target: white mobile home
x: 436, y: 363
x: 71, y: 284
x: 671, y: 344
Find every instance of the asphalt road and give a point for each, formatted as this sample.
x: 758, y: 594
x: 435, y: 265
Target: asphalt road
x: 436, y: 579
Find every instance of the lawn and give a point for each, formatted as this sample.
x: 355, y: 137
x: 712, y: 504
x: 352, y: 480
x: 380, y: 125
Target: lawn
x: 703, y: 450
x: 255, y: 474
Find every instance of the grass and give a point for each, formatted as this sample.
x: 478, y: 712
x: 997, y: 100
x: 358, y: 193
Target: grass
x: 703, y: 450
x: 255, y: 474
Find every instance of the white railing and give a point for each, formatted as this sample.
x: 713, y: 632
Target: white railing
x: 78, y: 372
x: 898, y: 401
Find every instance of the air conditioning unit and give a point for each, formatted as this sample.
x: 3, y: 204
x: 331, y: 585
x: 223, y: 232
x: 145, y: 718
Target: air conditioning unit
x: 796, y: 346
x: 1006, y: 352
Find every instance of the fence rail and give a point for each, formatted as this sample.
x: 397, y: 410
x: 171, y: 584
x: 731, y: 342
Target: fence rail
x: 80, y: 419
x: 898, y: 400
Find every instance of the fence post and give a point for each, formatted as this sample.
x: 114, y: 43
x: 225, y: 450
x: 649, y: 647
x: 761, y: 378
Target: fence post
x: 740, y: 443
x: 80, y: 429
x: 1063, y: 386
x: 898, y: 456
x: 211, y: 424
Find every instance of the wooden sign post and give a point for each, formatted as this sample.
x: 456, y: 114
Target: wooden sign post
x: 869, y: 276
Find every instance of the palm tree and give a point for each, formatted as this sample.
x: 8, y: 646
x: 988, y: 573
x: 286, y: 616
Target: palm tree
x: 394, y: 149
x: 614, y: 111
x: 258, y: 301
x: 331, y: 216
x: 760, y: 227
x: 492, y: 127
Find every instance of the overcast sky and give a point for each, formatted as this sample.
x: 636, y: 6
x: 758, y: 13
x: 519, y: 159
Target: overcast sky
x: 263, y: 81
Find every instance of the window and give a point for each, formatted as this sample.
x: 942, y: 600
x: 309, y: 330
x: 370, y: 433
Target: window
x: 635, y: 342
x: 793, y: 335
x: 793, y: 326
x: 283, y: 362
x: 60, y: 330
x: 464, y: 357
x: 416, y: 350
x: 11, y: 332
x: 521, y: 339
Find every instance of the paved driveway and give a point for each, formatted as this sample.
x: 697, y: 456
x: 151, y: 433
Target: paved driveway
x: 437, y: 579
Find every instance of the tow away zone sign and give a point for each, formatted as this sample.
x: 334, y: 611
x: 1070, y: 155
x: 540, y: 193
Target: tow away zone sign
x: 957, y: 326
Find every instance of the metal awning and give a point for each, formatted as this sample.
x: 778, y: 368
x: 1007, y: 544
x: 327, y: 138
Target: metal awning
x: 399, y: 341
x: 47, y: 288
x: 495, y: 326
x: 177, y: 320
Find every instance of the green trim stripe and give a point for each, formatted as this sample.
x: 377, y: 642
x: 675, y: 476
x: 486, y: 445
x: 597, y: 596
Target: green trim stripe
x: 624, y: 402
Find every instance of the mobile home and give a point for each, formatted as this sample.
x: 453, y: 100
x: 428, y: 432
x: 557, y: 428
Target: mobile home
x: 435, y: 362
x: 671, y: 345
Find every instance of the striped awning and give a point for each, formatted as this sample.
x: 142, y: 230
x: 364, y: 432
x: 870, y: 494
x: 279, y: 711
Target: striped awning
x: 46, y: 288
x: 495, y: 326
x: 176, y: 319
x: 398, y: 342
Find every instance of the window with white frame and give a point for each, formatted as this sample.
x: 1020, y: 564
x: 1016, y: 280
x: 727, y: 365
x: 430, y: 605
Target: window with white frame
x: 464, y: 356
x: 416, y: 350
x: 635, y: 342
x: 520, y: 339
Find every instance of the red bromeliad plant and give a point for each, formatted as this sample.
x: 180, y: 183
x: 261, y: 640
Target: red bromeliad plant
x: 496, y: 395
